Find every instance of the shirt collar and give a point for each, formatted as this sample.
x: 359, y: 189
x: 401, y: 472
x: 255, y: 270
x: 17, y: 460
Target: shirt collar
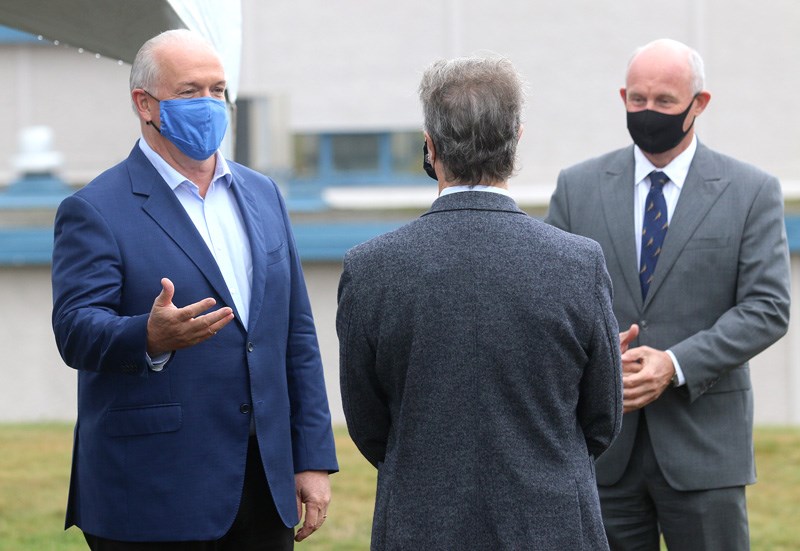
x: 175, y: 178
x: 491, y: 189
x: 676, y: 170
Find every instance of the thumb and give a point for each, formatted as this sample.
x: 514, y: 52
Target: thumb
x: 299, y: 505
x: 626, y: 337
x: 164, y: 298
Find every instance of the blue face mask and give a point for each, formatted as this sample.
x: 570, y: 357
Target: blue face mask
x: 196, y: 126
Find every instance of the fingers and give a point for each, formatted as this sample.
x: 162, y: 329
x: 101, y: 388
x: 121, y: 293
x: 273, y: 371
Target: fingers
x: 213, y: 321
x: 195, y: 309
x: 315, y: 516
x: 644, y: 376
x: 313, y: 490
x: 206, y: 326
x: 170, y: 328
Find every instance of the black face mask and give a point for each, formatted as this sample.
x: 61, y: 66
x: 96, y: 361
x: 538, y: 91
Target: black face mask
x: 656, y: 132
x: 427, y: 165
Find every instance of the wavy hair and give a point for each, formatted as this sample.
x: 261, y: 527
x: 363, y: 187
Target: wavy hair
x: 473, y: 114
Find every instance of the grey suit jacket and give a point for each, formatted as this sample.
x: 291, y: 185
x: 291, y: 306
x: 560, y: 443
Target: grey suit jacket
x: 480, y: 372
x: 720, y: 296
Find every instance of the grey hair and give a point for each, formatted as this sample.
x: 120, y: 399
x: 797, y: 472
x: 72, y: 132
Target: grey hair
x: 473, y: 114
x: 145, y: 71
x: 696, y: 64
x: 698, y: 71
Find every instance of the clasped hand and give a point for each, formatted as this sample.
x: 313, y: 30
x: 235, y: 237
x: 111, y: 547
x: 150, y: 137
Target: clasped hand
x: 171, y: 328
x: 646, y: 372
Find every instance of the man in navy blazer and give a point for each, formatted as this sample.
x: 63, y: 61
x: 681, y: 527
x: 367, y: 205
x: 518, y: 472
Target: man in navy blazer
x: 179, y: 298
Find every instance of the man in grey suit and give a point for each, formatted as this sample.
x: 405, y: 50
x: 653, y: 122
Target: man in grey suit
x: 696, y: 248
x: 480, y: 363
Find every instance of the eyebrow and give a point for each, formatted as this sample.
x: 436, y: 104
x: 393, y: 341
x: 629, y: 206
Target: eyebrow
x: 196, y: 84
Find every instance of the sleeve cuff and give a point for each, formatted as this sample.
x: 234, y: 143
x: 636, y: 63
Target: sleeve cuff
x: 158, y: 363
x: 678, y: 370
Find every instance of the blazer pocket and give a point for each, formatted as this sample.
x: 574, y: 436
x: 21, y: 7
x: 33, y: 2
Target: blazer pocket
x: 136, y: 421
x: 708, y: 242
x: 277, y: 254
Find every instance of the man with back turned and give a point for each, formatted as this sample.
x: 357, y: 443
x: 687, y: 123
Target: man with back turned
x: 479, y: 354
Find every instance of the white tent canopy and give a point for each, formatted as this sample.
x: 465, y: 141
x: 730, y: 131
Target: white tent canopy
x: 117, y: 28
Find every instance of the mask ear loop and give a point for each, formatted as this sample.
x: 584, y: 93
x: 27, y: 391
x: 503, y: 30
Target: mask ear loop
x: 426, y: 162
x: 689, y: 108
x: 151, y: 123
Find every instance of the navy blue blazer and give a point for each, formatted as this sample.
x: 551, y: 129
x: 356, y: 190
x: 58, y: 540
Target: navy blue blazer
x: 160, y: 456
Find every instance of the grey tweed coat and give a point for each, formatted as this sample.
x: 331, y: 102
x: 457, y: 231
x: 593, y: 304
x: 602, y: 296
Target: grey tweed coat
x: 480, y: 374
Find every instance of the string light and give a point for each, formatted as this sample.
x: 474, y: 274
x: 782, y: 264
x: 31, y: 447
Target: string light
x: 80, y: 50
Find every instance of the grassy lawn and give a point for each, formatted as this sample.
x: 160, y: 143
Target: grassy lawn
x: 35, y: 462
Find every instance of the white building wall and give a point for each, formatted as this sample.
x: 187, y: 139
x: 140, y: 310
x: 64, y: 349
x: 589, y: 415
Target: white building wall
x: 352, y: 65
x: 36, y: 385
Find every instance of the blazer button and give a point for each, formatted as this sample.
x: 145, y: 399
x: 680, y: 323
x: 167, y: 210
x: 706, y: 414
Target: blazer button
x: 643, y: 324
x: 250, y: 347
x: 244, y: 408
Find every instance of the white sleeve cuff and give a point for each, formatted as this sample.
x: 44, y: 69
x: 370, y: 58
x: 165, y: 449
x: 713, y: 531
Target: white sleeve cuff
x: 157, y: 363
x: 678, y: 370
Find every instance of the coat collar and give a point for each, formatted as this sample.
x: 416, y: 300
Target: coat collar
x: 474, y: 200
x: 617, y: 205
x: 248, y: 206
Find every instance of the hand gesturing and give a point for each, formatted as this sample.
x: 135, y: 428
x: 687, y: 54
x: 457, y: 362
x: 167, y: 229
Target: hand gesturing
x: 172, y: 328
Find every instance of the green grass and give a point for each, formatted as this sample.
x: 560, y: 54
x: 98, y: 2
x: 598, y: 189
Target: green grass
x: 35, y: 463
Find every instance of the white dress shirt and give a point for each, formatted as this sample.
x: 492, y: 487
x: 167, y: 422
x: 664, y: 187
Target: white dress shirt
x: 676, y: 171
x: 490, y: 189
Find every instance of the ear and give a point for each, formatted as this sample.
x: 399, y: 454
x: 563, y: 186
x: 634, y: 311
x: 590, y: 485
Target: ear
x: 520, y: 131
x: 701, y: 102
x: 623, y: 93
x: 143, y: 104
x: 431, y: 147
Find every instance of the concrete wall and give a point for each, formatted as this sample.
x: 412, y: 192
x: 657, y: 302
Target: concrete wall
x: 36, y: 385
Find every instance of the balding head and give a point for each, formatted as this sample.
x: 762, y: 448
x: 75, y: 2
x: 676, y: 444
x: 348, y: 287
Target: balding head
x: 663, y: 95
x: 147, y: 65
x: 667, y: 55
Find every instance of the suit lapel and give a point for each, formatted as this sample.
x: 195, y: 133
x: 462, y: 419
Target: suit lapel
x: 702, y: 188
x: 255, y: 233
x: 165, y: 209
x: 618, y: 207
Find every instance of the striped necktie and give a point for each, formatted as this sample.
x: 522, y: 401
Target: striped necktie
x: 654, y: 229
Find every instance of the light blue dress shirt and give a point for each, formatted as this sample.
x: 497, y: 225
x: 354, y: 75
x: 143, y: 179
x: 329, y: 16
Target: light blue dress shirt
x: 219, y: 222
